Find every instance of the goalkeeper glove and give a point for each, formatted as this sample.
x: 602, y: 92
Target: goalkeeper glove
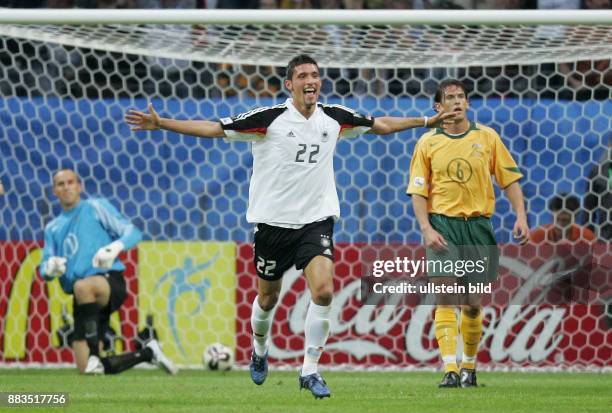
x: 55, y: 267
x: 106, y: 256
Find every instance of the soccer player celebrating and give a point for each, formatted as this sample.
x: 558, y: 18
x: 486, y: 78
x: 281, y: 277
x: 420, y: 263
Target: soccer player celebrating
x: 453, y: 199
x: 81, y: 248
x: 292, y: 198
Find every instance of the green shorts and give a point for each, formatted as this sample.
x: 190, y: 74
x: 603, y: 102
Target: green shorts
x: 472, y: 256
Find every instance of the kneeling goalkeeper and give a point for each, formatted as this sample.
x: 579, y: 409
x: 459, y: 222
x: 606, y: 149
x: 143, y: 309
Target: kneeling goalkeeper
x: 81, y: 248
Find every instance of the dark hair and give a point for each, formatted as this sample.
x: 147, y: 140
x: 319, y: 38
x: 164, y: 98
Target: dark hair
x: 446, y: 83
x: 564, y: 201
x: 302, y: 59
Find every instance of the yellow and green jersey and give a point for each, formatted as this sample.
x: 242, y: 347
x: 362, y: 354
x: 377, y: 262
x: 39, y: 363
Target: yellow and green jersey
x: 454, y: 172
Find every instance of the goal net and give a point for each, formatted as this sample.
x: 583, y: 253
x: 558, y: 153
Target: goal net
x: 64, y: 90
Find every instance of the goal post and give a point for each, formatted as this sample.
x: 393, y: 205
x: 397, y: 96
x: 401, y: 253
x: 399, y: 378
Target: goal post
x: 367, y: 38
x: 542, y: 79
x: 305, y: 17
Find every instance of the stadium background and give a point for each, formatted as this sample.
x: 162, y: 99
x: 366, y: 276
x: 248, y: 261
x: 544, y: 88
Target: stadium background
x: 189, y: 197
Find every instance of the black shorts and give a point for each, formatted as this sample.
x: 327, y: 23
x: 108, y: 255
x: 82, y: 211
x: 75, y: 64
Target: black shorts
x: 118, y: 291
x: 277, y: 249
x: 118, y: 294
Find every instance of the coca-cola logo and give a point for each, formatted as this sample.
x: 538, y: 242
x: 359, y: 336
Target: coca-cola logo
x: 535, y: 332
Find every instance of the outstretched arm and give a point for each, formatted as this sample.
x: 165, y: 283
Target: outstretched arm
x: 390, y: 124
x: 152, y: 121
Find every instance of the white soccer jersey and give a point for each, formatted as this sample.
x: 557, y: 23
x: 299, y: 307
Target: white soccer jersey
x: 293, y: 180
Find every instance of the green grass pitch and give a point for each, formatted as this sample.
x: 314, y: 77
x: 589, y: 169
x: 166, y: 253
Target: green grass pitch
x: 352, y: 392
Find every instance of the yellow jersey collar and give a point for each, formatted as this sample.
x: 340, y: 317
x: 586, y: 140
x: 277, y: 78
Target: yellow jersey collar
x: 471, y: 128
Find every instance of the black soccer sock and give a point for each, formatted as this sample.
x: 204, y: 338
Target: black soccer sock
x: 122, y: 362
x: 90, y: 314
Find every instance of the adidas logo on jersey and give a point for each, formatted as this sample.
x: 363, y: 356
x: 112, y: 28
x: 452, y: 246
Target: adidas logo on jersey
x: 291, y: 134
x: 327, y: 252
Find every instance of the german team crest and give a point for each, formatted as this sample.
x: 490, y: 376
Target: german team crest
x: 325, y: 241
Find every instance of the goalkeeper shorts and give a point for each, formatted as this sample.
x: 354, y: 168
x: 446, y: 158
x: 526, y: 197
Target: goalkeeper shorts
x: 118, y: 294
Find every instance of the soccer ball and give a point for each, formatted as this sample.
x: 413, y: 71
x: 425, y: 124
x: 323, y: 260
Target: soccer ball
x: 218, y: 357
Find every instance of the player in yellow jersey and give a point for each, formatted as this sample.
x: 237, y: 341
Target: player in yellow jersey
x: 452, y: 195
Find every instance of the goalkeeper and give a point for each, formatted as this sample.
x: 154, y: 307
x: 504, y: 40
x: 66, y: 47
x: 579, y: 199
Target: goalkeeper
x: 81, y: 249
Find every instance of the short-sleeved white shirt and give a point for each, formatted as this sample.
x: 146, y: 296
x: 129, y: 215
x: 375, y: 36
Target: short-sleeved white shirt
x: 293, y: 182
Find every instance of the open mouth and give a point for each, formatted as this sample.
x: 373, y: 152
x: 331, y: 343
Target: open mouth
x: 309, y: 92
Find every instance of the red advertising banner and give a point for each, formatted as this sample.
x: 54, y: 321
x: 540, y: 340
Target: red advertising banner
x: 571, y: 335
x: 529, y: 334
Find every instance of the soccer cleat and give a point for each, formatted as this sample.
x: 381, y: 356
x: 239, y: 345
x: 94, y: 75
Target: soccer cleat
x: 315, y: 383
x: 94, y: 366
x: 450, y: 379
x: 160, y: 359
x: 259, y: 368
x: 468, y: 378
